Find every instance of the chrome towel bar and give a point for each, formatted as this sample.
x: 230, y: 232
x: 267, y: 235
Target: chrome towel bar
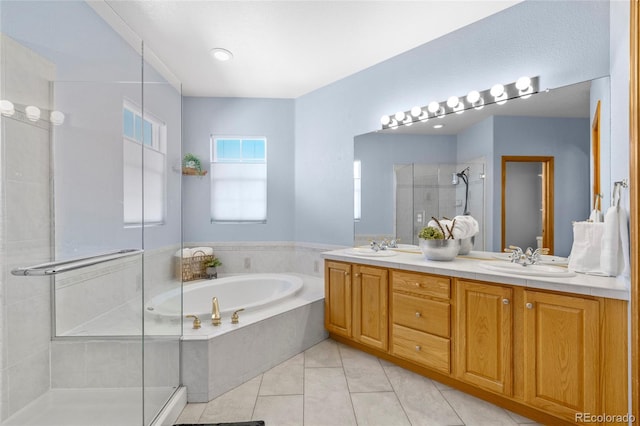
x: 53, y: 268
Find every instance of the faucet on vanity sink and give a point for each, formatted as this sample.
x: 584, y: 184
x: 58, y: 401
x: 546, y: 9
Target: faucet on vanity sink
x: 526, y: 257
x: 384, y: 244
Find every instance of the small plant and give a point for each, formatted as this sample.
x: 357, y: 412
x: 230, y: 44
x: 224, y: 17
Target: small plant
x: 192, y: 162
x: 431, y: 233
x: 212, y: 263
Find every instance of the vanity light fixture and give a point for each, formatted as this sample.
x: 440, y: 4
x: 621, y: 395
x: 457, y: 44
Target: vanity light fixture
x: 56, y: 118
x: 499, y: 94
x: 221, y: 54
x: 6, y: 108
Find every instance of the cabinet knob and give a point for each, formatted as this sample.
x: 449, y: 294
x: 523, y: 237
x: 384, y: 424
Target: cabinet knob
x: 505, y: 301
x: 418, y: 314
x: 356, y: 275
x: 416, y: 284
x: 346, y: 273
x: 529, y: 305
x: 418, y: 348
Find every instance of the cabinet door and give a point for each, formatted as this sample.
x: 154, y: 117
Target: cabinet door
x: 561, y: 350
x: 371, y: 287
x: 337, y: 298
x: 484, y: 344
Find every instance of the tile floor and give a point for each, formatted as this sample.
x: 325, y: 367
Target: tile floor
x: 332, y: 384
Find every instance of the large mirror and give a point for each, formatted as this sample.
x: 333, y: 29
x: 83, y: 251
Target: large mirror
x: 554, y: 123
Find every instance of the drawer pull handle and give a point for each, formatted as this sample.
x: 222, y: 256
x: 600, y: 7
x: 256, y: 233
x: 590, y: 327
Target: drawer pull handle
x: 418, y: 348
x: 418, y: 314
x: 505, y: 301
x: 529, y: 305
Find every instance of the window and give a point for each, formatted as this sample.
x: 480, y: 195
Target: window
x: 239, y: 179
x: 144, y: 152
x: 357, y: 190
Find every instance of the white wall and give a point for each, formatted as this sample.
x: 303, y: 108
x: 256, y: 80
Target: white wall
x: 563, y: 42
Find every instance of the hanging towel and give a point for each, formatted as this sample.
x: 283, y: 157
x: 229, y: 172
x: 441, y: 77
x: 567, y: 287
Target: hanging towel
x: 586, y: 248
x: 611, y: 262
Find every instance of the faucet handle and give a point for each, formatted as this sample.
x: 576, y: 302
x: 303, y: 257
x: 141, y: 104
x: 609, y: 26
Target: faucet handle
x: 196, y: 321
x: 234, y: 317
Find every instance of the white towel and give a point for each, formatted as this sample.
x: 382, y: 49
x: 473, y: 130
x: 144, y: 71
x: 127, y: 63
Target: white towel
x: 185, y: 253
x: 611, y: 260
x: 465, y: 227
x: 206, y: 250
x: 586, y: 248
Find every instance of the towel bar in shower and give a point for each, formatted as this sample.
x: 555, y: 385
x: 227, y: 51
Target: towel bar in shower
x: 53, y: 268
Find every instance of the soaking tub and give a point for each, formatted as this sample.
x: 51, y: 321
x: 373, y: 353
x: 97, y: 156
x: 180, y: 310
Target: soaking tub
x: 247, y: 292
x: 283, y: 316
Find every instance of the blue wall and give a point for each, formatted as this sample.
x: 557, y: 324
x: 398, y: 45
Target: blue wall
x: 567, y: 140
x: 378, y: 153
x: 562, y: 41
x: 272, y: 118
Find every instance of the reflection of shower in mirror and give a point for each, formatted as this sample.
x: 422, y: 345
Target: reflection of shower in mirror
x: 464, y: 175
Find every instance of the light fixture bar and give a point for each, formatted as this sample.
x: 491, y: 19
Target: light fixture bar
x: 497, y: 94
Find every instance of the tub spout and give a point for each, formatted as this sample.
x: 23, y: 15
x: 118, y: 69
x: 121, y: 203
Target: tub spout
x: 216, y: 319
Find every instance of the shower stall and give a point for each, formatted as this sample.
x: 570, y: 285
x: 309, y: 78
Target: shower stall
x: 90, y: 218
x: 423, y: 191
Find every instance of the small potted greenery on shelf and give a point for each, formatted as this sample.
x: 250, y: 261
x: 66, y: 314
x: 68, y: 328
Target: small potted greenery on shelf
x: 211, y: 266
x: 191, y: 165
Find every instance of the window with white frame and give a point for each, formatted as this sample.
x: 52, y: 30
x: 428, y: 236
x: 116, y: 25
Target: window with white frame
x: 144, y: 171
x: 238, y: 179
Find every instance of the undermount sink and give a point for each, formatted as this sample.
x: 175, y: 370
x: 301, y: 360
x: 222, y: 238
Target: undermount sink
x: 529, y: 270
x: 369, y: 252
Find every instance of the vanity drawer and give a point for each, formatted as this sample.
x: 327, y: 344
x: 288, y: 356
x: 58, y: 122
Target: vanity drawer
x: 426, y: 315
x: 422, y: 284
x: 422, y: 348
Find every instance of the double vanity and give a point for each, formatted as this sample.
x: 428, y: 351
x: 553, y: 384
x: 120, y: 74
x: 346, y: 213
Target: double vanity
x: 543, y: 342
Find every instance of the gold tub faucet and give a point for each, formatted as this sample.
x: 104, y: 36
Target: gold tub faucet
x: 216, y: 319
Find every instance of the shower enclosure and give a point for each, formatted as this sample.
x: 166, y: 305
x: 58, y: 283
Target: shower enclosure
x: 423, y: 191
x: 90, y: 218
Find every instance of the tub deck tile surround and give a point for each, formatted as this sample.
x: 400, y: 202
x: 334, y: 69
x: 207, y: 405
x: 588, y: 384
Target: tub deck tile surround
x: 217, y: 359
x: 325, y: 396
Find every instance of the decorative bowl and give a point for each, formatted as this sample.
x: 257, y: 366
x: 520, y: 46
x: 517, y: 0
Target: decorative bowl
x: 439, y: 249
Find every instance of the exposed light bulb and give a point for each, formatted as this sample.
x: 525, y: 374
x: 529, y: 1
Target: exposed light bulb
x: 433, y: 107
x: 453, y: 102
x: 416, y: 111
x: 523, y: 83
x: 497, y: 90
x: 473, y: 96
x: 399, y: 115
x: 385, y: 120
x: 32, y: 113
x: 7, y: 108
x: 56, y: 118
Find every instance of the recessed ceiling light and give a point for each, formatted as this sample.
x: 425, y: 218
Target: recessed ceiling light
x: 438, y: 126
x: 221, y: 54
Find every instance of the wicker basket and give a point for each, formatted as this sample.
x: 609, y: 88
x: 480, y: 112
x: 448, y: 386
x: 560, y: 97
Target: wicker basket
x: 192, y: 268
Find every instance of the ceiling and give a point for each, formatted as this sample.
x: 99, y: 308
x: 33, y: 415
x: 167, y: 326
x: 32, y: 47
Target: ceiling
x: 285, y: 49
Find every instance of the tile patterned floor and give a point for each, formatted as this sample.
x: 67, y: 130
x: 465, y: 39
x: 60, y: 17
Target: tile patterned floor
x: 332, y: 384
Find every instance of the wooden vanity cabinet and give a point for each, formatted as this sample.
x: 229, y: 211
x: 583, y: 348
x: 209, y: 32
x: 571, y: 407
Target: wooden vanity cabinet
x: 484, y: 335
x: 356, y: 303
x: 561, y: 353
x: 337, y: 298
x: 545, y: 354
x: 421, y: 319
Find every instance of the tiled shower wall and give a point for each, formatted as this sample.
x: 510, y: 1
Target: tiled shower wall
x: 25, y: 214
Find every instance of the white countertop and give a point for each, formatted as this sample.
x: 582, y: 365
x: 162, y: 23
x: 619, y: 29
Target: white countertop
x: 469, y: 267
